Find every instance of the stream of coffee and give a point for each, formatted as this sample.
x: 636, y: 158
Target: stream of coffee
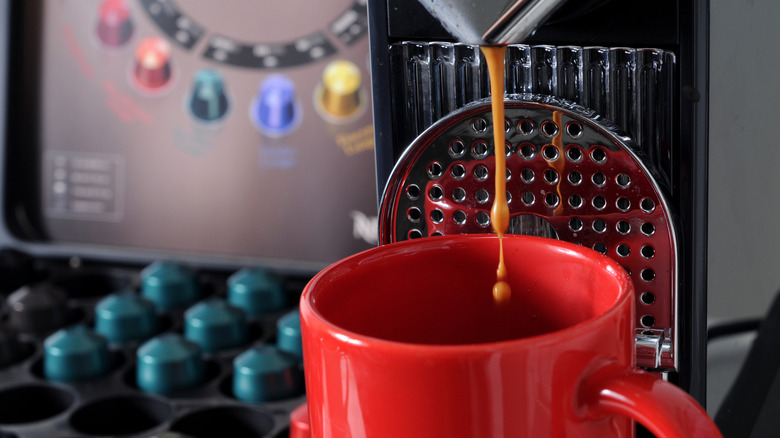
x: 499, y: 213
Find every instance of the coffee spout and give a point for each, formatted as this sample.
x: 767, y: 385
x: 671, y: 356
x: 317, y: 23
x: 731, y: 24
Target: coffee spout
x: 491, y: 21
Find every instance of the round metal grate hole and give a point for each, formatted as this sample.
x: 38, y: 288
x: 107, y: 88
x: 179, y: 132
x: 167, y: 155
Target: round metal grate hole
x: 436, y: 193
x: 526, y: 127
x: 575, y: 178
x: 551, y: 200
x: 550, y: 153
x: 647, y: 205
x: 459, y: 217
x: 647, y: 298
x: 600, y: 247
x: 648, y: 229
x: 623, y: 227
x: 575, y: 224
x: 483, y: 219
x: 435, y: 170
x: 599, y: 203
x: 508, y: 150
x: 623, y: 250
x: 457, y: 149
x: 599, y: 226
x: 481, y: 173
x: 458, y: 171
x: 528, y: 199
x: 482, y: 196
x: 574, y: 154
x: 648, y: 321
x: 458, y: 195
x: 414, y: 214
x: 647, y: 251
x: 574, y: 129
x: 549, y: 128
x: 527, y: 175
x: 623, y: 180
x: 598, y: 155
x: 479, y: 149
x: 479, y: 125
x: 598, y: 179
x: 413, y: 191
x: 551, y: 176
x: 527, y: 151
x: 575, y: 201
x: 437, y: 216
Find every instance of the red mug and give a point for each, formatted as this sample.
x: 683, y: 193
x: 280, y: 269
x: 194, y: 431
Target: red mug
x: 406, y: 340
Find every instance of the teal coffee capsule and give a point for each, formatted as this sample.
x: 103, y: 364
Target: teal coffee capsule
x: 125, y: 316
x: 264, y: 373
x: 169, y: 363
x: 256, y: 291
x: 169, y: 285
x: 215, y: 325
x: 288, y: 333
x: 75, y: 354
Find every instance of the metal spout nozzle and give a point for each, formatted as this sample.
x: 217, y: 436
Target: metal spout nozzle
x: 491, y: 21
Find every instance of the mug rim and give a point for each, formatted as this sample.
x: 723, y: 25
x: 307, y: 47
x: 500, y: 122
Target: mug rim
x: 307, y: 309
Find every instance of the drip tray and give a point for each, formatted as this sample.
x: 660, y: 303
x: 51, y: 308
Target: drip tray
x: 571, y: 175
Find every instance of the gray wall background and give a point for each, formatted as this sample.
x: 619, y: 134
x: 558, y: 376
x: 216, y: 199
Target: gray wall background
x: 744, y: 190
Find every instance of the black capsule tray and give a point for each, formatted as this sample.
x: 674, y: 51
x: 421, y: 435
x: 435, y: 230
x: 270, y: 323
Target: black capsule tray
x: 112, y: 405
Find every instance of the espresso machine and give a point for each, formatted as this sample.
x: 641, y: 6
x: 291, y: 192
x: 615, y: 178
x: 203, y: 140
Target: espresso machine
x: 159, y: 139
x: 606, y: 126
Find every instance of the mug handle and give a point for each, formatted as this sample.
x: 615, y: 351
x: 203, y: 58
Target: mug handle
x: 663, y: 408
x: 666, y: 410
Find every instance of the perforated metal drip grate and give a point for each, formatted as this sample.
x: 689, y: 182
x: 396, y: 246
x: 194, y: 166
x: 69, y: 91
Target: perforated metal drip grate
x: 570, y: 175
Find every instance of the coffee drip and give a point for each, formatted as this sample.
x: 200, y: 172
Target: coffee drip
x: 499, y: 213
x: 493, y: 28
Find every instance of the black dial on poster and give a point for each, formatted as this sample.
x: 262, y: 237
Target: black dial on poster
x: 318, y: 43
